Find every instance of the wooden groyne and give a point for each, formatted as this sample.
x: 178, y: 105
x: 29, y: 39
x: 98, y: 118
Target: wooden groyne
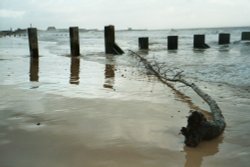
x: 224, y: 38
x: 172, y: 42
x: 111, y: 47
x: 245, y: 36
x: 33, y: 42
x: 74, y: 41
x: 143, y: 43
x: 199, y: 42
x: 109, y: 38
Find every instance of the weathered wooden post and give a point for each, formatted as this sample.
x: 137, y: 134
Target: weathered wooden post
x: 109, y: 38
x: 143, y: 43
x: 199, y: 42
x: 224, y: 38
x: 172, y: 42
x: 245, y: 36
x: 109, y: 35
x: 74, y: 41
x: 33, y: 42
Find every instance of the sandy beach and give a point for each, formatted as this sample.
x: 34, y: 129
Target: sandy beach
x: 44, y: 129
x: 104, y: 111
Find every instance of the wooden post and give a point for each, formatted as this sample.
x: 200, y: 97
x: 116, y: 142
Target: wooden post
x: 224, y: 38
x: 172, y: 42
x: 74, y: 41
x: 33, y: 42
x: 245, y: 36
x: 199, y: 42
x: 143, y: 42
x: 109, y: 36
x: 110, y: 46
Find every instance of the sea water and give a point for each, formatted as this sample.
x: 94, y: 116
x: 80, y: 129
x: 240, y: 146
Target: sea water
x: 228, y: 64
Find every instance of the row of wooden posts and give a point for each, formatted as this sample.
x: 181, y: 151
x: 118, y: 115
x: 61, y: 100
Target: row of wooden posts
x: 112, y: 48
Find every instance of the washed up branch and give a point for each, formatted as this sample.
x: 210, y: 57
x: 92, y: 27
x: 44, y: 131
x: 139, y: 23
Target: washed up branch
x: 198, y: 127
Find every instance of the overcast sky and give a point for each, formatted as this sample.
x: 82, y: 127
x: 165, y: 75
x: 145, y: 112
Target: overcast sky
x: 150, y: 14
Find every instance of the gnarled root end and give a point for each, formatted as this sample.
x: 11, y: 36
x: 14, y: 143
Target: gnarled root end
x: 199, y: 129
x: 192, y: 132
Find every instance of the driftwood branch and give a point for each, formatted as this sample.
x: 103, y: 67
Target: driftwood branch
x: 198, y: 128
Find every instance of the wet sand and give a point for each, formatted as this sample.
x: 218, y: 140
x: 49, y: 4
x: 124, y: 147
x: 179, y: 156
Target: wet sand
x: 91, y: 132
x: 49, y: 130
x: 40, y: 128
x: 102, y: 111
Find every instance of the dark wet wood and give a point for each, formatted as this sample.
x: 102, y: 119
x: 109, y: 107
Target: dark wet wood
x: 245, y: 36
x: 224, y: 38
x: 199, y: 42
x: 172, y: 42
x: 109, y: 38
x: 143, y: 42
x: 74, y: 41
x: 33, y: 42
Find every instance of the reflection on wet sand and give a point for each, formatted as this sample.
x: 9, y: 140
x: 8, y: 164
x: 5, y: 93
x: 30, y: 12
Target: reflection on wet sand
x: 143, y: 52
x: 109, y: 74
x: 34, y: 69
x: 224, y: 48
x: 194, y: 156
x: 74, y: 71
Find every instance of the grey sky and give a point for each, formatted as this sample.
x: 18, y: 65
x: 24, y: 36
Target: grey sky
x: 151, y: 14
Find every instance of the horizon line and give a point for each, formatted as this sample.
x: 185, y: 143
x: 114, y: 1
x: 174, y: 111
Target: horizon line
x: 131, y: 28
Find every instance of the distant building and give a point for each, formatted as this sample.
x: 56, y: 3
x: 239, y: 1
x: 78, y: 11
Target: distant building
x: 51, y: 28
